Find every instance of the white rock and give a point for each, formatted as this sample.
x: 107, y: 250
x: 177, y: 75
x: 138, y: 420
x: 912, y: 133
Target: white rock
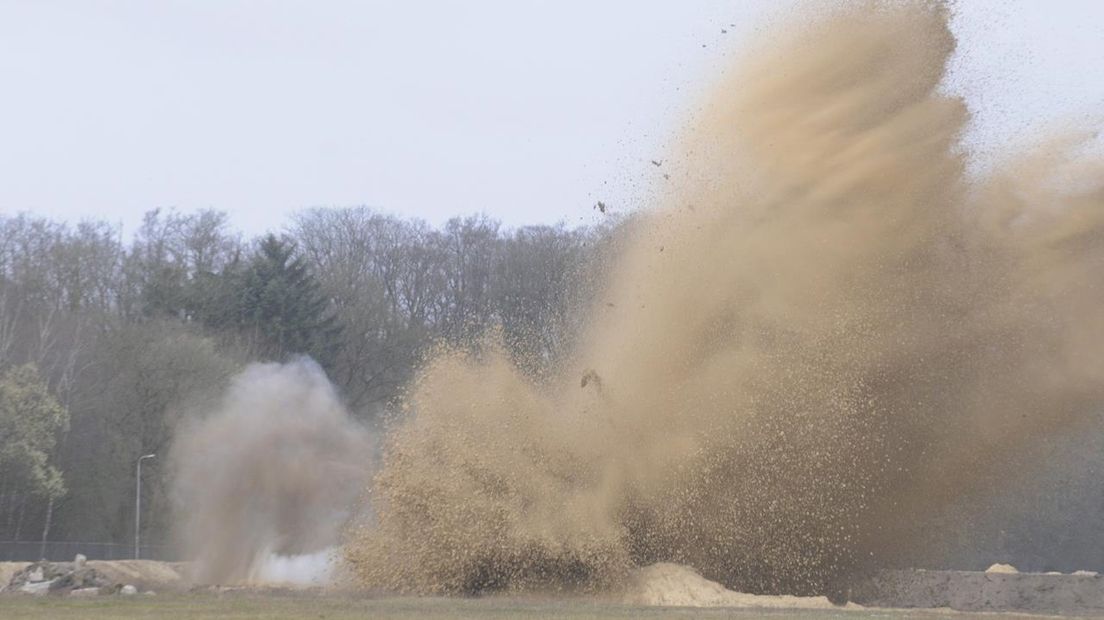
x: 36, y: 575
x: 128, y: 590
x: 1085, y: 573
x: 38, y: 588
x: 78, y: 562
x: 85, y: 592
x: 1006, y: 569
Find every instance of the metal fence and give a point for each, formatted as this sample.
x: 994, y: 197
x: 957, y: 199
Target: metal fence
x: 59, y: 551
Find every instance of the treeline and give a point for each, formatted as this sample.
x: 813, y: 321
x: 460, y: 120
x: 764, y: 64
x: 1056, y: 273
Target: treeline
x: 106, y: 342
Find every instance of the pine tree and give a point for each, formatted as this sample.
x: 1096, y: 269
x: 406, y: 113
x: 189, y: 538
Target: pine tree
x: 282, y: 309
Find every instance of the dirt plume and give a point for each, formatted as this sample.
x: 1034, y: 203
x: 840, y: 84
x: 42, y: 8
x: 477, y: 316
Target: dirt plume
x: 277, y: 469
x: 826, y: 332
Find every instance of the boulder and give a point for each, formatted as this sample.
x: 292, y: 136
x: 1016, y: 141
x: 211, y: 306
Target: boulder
x: 35, y: 588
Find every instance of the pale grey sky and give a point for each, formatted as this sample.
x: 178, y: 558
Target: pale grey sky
x: 528, y: 110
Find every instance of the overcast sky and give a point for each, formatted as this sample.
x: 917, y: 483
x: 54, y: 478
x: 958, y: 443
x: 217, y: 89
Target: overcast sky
x: 527, y: 110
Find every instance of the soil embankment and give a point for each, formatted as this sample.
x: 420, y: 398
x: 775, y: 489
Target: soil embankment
x: 143, y: 575
x: 984, y: 591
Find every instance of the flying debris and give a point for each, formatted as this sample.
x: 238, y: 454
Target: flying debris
x: 846, y: 346
x: 591, y: 376
x: 601, y: 206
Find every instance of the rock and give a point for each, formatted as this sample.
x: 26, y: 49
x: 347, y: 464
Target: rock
x: 37, y: 588
x: 128, y: 590
x: 36, y: 575
x: 85, y: 592
x: 1003, y: 569
x: 79, y: 561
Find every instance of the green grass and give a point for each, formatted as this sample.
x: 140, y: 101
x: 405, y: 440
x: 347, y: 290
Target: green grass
x: 331, y: 607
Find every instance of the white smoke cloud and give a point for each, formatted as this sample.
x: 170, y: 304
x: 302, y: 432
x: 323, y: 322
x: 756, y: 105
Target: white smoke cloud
x: 308, y: 569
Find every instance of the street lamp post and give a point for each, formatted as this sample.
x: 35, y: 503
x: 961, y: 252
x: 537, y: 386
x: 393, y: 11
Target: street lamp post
x: 138, y: 507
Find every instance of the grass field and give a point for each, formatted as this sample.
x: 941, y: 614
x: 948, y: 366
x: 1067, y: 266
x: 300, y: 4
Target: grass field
x: 248, y: 606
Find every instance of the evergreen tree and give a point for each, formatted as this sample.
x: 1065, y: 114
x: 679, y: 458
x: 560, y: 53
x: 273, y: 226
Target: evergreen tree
x: 283, y: 311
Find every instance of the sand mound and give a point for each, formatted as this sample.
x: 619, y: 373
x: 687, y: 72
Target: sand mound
x: 143, y: 574
x: 674, y: 585
x: 1006, y: 569
x: 7, y: 569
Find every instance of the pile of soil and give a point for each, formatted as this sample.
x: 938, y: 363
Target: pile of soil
x: 999, y: 589
x: 145, y: 574
x: 7, y: 570
x: 674, y: 585
x: 89, y: 578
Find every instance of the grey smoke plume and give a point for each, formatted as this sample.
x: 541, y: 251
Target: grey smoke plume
x: 277, y: 469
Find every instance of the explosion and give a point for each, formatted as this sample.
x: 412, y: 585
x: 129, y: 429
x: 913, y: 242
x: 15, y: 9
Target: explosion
x: 825, y: 333
x: 275, y: 471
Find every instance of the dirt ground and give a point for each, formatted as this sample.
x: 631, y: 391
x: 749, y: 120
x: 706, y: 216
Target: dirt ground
x: 330, y: 607
x: 666, y: 591
x: 145, y: 574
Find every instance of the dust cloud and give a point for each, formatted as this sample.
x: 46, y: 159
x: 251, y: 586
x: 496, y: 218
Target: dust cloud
x: 264, y: 485
x: 825, y: 332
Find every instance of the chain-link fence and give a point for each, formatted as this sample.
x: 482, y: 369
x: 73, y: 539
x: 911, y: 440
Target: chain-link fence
x: 58, y: 551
